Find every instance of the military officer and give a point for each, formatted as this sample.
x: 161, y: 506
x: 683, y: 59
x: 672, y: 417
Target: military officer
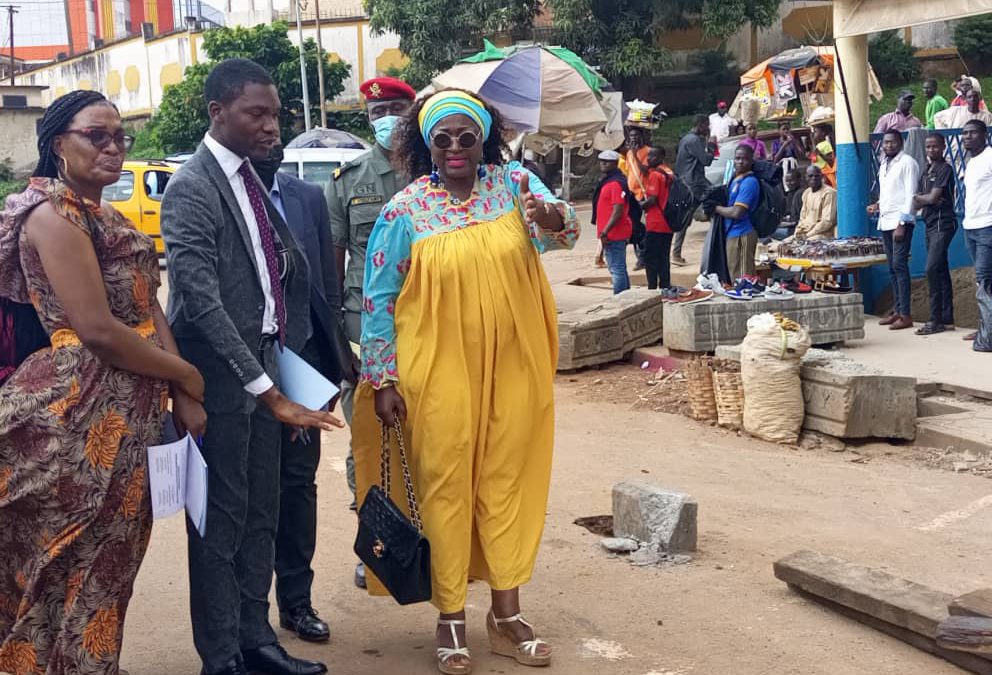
x: 358, y: 192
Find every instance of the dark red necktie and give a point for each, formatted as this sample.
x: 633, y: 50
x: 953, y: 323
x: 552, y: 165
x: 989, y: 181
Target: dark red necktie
x: 266, y: 233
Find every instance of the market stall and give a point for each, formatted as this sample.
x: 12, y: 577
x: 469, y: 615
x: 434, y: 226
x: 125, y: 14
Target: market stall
x: 791, y: 85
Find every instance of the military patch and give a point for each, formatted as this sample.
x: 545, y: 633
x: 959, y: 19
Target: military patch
x: 371, y: 199
x: 364, y: 190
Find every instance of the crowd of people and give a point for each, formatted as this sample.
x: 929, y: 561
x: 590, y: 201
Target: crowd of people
x: 635, y: 187
x: 422, y: 255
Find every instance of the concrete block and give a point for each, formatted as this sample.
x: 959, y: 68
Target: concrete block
x: 845, y: 399
x: 970, y: 430
x: 655, y: 515
x: 704, y: 326
x: 641, y: 317
x: 605, y: 331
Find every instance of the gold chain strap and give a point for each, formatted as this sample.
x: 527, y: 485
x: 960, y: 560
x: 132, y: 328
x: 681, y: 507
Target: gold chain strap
x: 411, y: 498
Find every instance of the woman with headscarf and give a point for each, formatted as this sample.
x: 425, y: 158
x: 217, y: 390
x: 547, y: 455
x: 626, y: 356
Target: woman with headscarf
x: 76, y: 417
x: 459, y: 340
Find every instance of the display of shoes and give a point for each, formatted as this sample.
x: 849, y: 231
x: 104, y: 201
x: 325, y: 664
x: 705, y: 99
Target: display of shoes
x: 693, y: 296
x: 831, y: 250
x: 797, y: 286
x: 779, y: 292
x: 739, y: 294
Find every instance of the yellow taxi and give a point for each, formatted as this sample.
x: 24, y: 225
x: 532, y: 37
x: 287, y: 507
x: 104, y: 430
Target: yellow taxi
x: 138, y: 195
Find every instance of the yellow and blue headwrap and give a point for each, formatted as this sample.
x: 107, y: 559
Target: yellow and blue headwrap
x: 447, y: 103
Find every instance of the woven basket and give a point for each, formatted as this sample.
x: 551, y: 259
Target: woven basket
x: 702, y: 401
x: 729, y: 393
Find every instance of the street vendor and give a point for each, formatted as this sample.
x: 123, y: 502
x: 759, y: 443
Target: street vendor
x: 818, y: 218
x: 822, y: 155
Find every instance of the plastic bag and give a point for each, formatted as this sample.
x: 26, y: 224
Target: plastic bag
x: 773, y: 394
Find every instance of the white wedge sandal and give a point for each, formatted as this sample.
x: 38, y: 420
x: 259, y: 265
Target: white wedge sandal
x: 446, y: 654
x: 525, y: 653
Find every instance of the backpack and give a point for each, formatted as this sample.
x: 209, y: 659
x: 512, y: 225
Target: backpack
x: 771, y: 209
x: 21, y: 334
x: 680, y: 205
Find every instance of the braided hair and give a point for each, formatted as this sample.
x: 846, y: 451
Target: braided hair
x: 56, y: 120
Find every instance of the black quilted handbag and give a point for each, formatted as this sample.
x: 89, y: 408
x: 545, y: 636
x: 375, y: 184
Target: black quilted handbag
x: 391, y: 546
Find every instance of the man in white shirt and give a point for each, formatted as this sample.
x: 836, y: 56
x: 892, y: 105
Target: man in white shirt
x: 978, y: 224
x: 897, y: 180
x: 238, y: 291
x: 722, y: 125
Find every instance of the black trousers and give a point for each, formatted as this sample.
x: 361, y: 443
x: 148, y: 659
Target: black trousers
x: 297, y: 534
x: 657, y: 259
x: 230, y: 570
x: 939, y: 274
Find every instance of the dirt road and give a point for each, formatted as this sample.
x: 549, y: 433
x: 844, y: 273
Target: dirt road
x: 722, y: 614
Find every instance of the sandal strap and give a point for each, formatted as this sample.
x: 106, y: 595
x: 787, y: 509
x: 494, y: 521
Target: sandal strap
x: 451, y: 622
x: 511, y: 619
x: 529, y: 647
x: 445, y: 654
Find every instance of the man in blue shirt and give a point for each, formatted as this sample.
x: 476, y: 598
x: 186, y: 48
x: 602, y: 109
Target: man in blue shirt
x: 742, y: 238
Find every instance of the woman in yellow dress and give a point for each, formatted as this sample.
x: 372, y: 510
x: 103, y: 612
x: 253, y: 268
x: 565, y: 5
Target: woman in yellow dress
x: 460, y: 341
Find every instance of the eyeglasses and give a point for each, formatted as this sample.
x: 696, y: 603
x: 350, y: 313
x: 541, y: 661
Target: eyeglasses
x: 101, y: 138
x: 443, y: 141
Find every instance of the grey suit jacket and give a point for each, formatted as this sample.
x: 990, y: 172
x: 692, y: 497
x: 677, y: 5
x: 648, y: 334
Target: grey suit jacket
x: 215, y: 297
x: 308, y: 220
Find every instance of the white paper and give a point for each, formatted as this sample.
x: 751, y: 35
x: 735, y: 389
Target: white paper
x: 177, y: 473
x: 302, y: 383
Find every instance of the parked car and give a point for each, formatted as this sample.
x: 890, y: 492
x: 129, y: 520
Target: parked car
x: 317, y: 165
x: 138, y: 195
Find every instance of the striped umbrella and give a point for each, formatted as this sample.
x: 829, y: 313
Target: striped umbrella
x: 539, y: 90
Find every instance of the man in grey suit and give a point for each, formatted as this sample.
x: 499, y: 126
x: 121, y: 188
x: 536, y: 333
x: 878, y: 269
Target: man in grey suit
x: 238, y: 290
x: 303, y: 207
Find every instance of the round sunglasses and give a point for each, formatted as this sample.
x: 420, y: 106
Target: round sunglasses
x: 101, y: 138
x: 443, y: 140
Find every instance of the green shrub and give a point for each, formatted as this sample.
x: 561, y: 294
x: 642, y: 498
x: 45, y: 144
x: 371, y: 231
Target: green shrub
x: 894, y: 61
x: 971, y: 36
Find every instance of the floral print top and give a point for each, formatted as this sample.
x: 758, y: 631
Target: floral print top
x: 421, y: 211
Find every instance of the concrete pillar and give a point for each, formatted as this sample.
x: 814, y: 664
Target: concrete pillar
x: 853, y: 151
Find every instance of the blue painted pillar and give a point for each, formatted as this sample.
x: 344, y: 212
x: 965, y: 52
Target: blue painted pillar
x: 853, y: 151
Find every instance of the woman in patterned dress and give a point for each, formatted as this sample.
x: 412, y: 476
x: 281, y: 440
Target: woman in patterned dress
x: 76, y: 418
x: 459, y: 339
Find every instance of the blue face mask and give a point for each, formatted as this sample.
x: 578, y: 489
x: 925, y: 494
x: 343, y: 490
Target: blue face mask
x: 384, y: 130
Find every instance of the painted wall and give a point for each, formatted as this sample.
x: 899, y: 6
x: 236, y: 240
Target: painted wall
x: 134, y: 72
x: 20, y: 139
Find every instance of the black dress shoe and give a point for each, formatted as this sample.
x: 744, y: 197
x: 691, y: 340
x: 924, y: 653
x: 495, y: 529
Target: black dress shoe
x: 273, y: 660
x: 234, y: 667
x: 303, y: 621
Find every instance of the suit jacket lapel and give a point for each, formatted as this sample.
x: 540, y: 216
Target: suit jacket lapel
x: 224, y: 187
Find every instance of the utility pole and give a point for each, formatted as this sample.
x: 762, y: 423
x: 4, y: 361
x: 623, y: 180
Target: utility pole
x: 11, y: 11
x: 68, y: 27
x: 320, y: 65
x: 303, y: 68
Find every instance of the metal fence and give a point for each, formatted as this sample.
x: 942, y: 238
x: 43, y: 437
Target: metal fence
x: 955, y: 155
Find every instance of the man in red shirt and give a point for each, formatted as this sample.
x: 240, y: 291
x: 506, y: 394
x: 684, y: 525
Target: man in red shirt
x: 612, y: 218
x: 658, y: 238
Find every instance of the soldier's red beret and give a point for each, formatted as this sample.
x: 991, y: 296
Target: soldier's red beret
x: 386, y: 89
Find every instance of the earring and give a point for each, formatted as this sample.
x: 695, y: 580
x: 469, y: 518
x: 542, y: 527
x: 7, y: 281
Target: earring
x: 481, y: 173
x: 65, y: 166
x: 435, y: 176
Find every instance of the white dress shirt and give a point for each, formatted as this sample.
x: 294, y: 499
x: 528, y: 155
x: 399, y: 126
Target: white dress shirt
x: 978, y: 192
x: 721, y: 126
x: 897, y: 181
x: 229, y: 164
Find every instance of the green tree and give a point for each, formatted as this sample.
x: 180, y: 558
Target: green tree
x: 971, y: 36
x: 893, y: 60
x: 182, y: 118
x: 436, y: 34
x: 623, y: 37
